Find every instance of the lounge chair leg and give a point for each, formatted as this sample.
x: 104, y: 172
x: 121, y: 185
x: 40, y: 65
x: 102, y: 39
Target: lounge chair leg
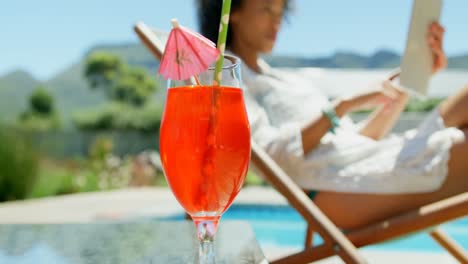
x: 187, y: 217
x: 309, y: 239
x: 450, y: 245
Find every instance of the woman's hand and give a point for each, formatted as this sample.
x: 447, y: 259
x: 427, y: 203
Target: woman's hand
x: 387, y: 95
x: 383, y: 119
x: 435, y: 40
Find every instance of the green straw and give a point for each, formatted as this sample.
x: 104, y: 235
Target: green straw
x: 223, y: 29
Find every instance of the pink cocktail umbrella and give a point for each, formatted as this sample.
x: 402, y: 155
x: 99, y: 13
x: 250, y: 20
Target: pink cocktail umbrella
x: 187, y: 54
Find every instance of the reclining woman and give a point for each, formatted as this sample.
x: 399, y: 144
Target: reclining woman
x: 362, y: 174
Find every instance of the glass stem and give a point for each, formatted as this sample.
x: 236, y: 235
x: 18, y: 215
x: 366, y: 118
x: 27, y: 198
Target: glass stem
x: 206, y: 230
x: 206, y: 253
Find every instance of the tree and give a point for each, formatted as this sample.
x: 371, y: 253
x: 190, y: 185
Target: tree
x: 102, y: 69
x: 41, y: 102
x: 41, y: 114
x: 120, y: 116
x: 120, y: 81
x: 134, y: 87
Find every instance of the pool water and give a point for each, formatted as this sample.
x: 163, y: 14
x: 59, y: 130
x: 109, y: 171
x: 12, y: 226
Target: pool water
x: 282, y: 226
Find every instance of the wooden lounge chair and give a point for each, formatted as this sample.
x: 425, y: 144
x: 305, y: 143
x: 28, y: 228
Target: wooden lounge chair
x: 336, y: 242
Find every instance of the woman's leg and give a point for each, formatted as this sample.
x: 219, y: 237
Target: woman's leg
x: 356, y: 210
x: 454, y: 110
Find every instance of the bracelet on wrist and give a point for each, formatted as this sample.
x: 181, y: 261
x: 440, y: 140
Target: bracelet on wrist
x: 330, y: 114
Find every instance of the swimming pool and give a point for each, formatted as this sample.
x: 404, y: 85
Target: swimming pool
x: 282, y: 226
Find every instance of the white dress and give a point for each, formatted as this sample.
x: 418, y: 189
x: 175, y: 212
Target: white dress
x: 280, y: 102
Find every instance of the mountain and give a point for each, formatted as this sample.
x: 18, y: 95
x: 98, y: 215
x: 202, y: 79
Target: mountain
x: 380, y: 59
x: 458, y: 62
x: 15, y: 88
x: 383, y: 59
x: 73, y: 94
x: 134, y: 54
x: 18, y: 78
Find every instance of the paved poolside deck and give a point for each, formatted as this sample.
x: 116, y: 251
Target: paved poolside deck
x: 379, y: 257
x: 118, y: 204
x: 140, y: 202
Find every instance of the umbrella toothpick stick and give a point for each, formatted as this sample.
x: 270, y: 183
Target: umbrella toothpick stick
x: 195, y: 80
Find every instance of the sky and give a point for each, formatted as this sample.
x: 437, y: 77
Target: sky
x: 44, y: 37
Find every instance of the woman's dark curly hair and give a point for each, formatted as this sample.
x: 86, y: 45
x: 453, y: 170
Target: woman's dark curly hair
x: 209, y: 13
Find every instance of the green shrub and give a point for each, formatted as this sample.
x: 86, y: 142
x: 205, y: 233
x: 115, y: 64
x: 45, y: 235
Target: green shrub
x: 53, y: 181
x: 41, y: 102
x: 100, y: 149
x: 58, y: 180
x: 41, y: 114
x: 423, y: 105
x: 31, y: 121
x: 118, y: 116
x: 253, y: 179
x: 415, y: 105
x: 18, y: 166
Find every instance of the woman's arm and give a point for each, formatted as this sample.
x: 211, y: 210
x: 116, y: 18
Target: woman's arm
x: 313, y: 131
x: 382, y: 120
